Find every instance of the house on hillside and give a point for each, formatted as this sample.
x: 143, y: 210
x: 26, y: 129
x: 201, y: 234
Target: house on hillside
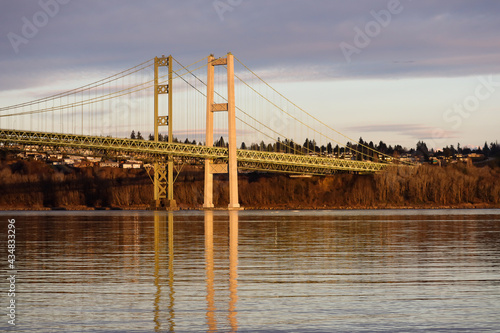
x: 109, y: 164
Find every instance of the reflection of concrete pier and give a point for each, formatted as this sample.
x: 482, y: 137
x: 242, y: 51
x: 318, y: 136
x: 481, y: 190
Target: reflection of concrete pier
x: 233, y: 271
x: 164, y: 260
x: 209, y: 267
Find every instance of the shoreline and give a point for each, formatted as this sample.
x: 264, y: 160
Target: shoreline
x: 148, y: 208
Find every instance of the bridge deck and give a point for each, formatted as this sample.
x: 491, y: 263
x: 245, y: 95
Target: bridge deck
x: 247, y: 159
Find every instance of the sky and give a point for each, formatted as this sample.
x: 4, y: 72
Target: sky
x: 397, y: 71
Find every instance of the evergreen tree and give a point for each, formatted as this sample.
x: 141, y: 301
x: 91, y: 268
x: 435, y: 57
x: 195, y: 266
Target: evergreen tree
x: 329, y: 148
x: 306, y: 145
x: 486, y: 149
x: 422, y: 148
x: 220, y: 142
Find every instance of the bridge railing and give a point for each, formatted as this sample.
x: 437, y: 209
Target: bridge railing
x: 248, y: 159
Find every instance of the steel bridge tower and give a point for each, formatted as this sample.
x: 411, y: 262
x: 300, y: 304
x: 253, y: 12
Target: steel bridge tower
x: 163, y: 173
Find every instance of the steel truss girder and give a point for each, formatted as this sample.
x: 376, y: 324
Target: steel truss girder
x: 160, y: 180
x: 247, y: 159
x: 162, y: 89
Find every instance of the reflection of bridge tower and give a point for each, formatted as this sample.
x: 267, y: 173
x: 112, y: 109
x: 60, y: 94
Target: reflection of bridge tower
x: 212, y: 107
x: 210, y: 272
x: 160, y: 249
x: 163, y: 174
x: 233, y: 270
x: 209, y: 267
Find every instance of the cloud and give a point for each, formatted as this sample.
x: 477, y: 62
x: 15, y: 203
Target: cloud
x: 288, y: 39
x: 416, y: 131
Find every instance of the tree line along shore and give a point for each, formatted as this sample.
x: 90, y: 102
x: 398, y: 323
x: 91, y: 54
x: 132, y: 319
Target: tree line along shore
x: 34, y: 185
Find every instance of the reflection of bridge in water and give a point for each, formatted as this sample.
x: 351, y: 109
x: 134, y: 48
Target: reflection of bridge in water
x: 96, y: 118
x: 164, y: 244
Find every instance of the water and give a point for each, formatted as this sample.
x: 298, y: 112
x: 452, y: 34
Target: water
x: 281, y: 271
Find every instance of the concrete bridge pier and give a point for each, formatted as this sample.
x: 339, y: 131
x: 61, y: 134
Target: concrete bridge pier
x: 232, y: 166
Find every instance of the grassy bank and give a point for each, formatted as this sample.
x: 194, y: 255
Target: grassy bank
x: 36, y: 185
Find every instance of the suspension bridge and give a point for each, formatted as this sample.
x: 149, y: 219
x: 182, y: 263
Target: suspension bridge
x: 203, y: 101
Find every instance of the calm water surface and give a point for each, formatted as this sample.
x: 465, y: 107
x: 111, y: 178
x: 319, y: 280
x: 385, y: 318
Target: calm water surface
x: 286, y: 271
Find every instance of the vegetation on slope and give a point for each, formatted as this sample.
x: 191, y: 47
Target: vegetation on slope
x: 36, y: 185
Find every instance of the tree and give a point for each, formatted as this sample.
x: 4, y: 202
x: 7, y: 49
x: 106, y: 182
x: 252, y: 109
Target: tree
x: 220, y: 142
x: 399, y: 149
x: 382, y: 147
x: 453, y: 150
x: 139, y: 136
x: 306, y: 145
x: 314, y: 147
x: 495, y: 149
x: 243, y: 146
x: 390, y: 150
x: 422, y: 148
x: 447, y: 151
x: 292, y: 147
x: 486, y: 149
x: 132, y: 135
x: 278, y: 145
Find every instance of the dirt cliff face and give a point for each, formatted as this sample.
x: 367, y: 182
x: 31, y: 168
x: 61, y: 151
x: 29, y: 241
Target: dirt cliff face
x: 36, y: 185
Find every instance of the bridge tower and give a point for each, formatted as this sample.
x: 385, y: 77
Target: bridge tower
x: 163, y: 173
x: 212, y: 107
